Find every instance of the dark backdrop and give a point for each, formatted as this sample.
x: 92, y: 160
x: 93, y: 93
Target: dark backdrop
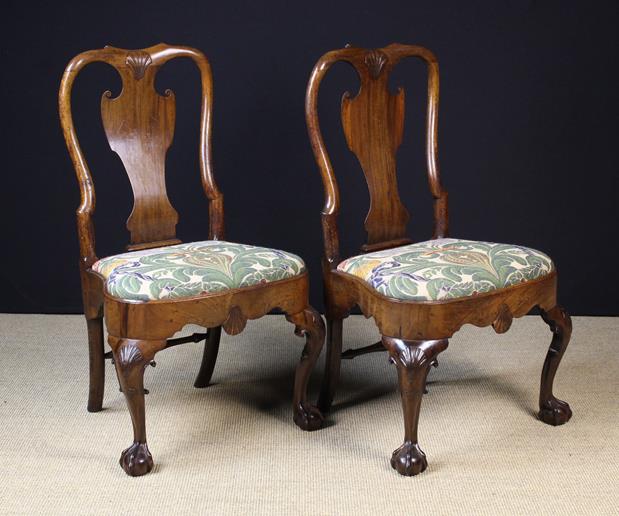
x: 527, y: 130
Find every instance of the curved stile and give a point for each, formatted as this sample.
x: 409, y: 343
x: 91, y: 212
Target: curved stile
x: 139, y: 125
x: 413, y: 332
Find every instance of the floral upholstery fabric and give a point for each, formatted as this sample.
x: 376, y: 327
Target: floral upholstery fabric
x: 447, y: 268
x: 194, y: 269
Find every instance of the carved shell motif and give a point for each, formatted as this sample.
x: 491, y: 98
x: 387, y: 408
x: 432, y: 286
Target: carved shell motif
x: 503, y: 319
x: 410, y: 356
x: 375, y: 60
x: 138, y: 62
x: 236, y: 321
x: 129, y: 354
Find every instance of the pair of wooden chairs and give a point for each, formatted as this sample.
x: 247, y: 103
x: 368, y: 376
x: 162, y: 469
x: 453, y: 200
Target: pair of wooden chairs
x: 418, y: 294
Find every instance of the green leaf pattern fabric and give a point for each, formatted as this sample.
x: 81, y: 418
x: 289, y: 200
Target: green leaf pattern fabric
x: 193, y: 269
x: 447, y: 268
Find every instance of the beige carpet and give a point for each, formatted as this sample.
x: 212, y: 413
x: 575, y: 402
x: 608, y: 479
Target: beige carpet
x: 233, y: 449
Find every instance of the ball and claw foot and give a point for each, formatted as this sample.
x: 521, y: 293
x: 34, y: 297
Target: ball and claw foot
x: 409, y: 460
x: 308, y: 417
x: 555, y: 412
x: 136, y: 460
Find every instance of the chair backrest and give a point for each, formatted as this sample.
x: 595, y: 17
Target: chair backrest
x: 373, y: 123
x: 139, y: 125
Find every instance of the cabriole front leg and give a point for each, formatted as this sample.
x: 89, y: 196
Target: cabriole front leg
x: 308, y: 323
x: 552, y: 410
x: 131, y: 358
x: 413, y: 360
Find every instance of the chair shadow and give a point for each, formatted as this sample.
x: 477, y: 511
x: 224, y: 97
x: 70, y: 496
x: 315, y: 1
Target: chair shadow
x: 275, y: 390
x: 462, y: 374
x: 517, y: 396
x: 359, y: 397
x: 274, y: 395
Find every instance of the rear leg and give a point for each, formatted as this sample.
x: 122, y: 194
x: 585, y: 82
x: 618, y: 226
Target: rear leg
x: 209, y: 358
x: 332, y: 364
x: 96, y: 360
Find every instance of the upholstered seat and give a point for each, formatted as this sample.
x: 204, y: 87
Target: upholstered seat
x: 193, y: 269
x: 447, y: 268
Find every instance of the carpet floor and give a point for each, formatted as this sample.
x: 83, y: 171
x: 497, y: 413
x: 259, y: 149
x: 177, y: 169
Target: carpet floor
x: 233, y: 449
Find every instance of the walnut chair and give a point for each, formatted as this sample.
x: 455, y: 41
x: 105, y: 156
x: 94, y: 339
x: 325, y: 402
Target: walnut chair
x: 419, y: 294
x: 152, y: 291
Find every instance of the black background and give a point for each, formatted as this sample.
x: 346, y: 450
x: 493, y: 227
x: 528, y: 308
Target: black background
x: 527, y: 134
